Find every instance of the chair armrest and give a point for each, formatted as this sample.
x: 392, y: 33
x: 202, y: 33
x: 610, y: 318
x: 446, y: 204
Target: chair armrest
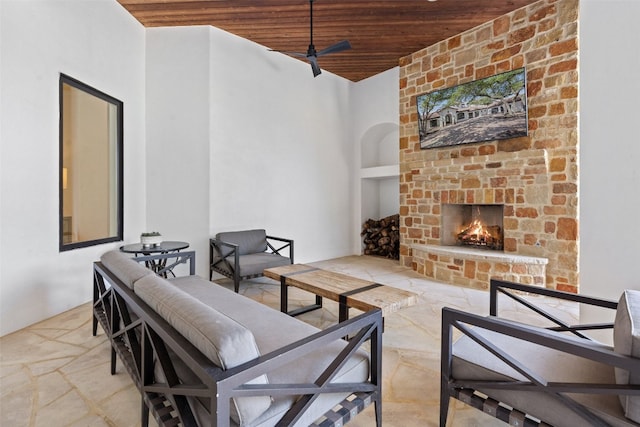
x: 288, y: 245
x: 218, y: 253
x: 218, y: 245
x: 217, y: 256
x: 515, y: 290
x: 453, y: 318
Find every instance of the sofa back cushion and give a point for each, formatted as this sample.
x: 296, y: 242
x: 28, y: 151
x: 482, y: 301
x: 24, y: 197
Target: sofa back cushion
x: 249, y: 241
x: 125, y: 268
x: 221, y: 339
x: 626, y: 340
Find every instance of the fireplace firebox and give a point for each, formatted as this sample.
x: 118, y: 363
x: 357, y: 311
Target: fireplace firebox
x: 474, y: 226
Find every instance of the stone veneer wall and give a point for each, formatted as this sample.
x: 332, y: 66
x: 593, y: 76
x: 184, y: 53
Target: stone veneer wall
x: 536, y: 177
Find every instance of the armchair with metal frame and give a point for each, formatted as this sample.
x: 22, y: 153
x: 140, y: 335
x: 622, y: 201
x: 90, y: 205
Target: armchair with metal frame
x: 529, y: 375
x: 241, y: 255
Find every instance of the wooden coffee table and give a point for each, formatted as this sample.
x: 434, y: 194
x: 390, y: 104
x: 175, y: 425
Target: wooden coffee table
x: 349, y: 292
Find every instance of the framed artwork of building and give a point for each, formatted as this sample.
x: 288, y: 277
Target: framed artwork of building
x: 488, y: 109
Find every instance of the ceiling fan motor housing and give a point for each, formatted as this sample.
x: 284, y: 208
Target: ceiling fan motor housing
x: 312, y: 55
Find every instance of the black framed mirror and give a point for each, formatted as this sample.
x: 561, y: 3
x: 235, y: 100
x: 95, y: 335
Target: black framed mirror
x: 91, y: 159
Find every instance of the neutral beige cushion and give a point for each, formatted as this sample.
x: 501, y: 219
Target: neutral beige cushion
x: 127, y: 270
x: 223, y: 340
x: 626, y: 340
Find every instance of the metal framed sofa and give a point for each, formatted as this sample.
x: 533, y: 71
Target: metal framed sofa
x: 527, y: 375
x: 202, y: 355
x: 241, y: 255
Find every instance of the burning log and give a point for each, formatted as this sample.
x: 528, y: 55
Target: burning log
x: 382, y: 237
x: 478, y: 235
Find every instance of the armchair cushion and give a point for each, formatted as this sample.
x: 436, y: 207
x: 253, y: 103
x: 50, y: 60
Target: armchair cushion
x: 249, y: 241
x: 626, y: 340
x: 223, y: 340
x: 253, y: 264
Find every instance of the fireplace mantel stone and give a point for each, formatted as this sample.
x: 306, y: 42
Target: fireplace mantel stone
x: 475, y: 267
x: 481, y: 254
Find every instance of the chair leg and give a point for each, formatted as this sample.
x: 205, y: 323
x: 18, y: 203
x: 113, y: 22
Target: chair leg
x: 113, y: 360
x: 144, y: 414
x: 378, y: 408
x: 236, y: 284
x: 95, y: 325
x: 444, y: 407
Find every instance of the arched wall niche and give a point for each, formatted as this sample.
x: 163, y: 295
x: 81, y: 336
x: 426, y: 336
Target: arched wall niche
x: 379, y: 145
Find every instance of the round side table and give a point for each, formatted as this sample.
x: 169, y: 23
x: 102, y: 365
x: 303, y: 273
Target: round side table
x: 155, y: 265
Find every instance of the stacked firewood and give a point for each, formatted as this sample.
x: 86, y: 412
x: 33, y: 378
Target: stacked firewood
x: 382, y: 237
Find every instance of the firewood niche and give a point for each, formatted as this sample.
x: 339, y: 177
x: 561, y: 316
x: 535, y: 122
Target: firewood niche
x: 382, y: 237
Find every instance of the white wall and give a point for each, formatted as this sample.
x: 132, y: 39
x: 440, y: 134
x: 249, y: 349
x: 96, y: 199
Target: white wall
x: 609, y: 148
x: 100, y: 44
x: 281, y: 157
x: 178, y: 104
x: 247, y: 139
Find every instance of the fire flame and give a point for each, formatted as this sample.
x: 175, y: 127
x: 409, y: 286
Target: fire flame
x: 479, y: 235
x: 476, y: 229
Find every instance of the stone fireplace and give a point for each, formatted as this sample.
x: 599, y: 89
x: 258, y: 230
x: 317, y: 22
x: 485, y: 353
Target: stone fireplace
x: 443, y: 258
x: 532, y: 180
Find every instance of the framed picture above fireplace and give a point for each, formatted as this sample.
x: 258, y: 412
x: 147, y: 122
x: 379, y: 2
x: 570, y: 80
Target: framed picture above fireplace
x: 488, y: 109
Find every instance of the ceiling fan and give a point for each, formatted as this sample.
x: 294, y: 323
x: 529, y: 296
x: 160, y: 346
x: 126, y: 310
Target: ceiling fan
x: 312, y: 55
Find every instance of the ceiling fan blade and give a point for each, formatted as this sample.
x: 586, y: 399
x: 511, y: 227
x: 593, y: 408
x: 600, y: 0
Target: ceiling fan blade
x: 314, y: 65
x: 338, y: 47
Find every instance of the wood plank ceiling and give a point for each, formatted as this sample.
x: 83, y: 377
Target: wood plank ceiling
x: 380, y: 32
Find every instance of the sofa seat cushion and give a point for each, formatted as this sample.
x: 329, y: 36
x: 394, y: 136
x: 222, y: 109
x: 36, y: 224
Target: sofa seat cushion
x: 273, y: 330
x: 249, y: 241
x: 254, y: 264
x: 223, y: 340
x: 626, y: 340
x: 122, y: 266
x: 473, y: 362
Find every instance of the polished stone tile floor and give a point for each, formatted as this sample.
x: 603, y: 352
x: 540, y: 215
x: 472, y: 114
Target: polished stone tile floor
x: 55, y: 373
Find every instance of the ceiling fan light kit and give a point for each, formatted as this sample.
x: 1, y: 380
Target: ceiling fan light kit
x: 312, y: 55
